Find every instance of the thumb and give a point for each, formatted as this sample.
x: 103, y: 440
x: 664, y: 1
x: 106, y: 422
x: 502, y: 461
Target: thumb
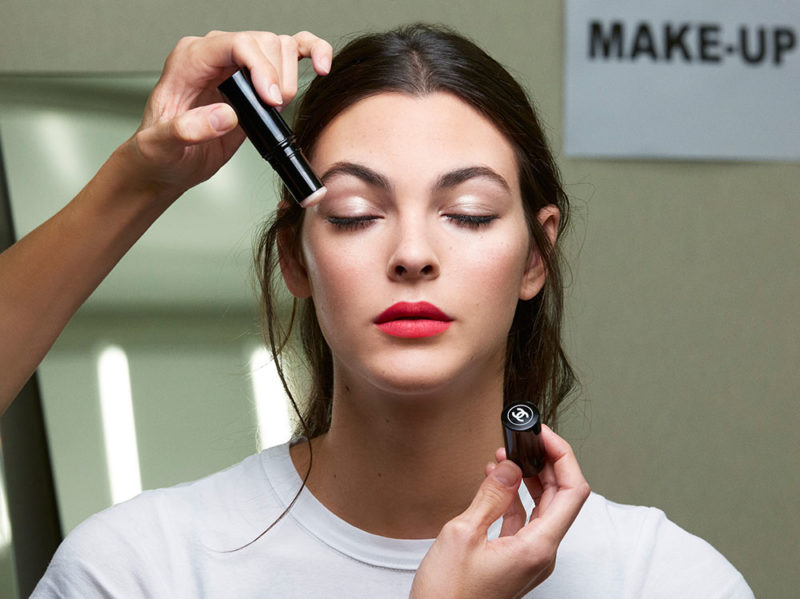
x: 166, y: 141
x: 494, y: 496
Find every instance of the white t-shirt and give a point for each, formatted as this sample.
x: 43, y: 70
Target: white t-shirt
x: 177, y: 542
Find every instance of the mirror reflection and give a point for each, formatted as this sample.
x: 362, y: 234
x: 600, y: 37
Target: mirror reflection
x: 8, y: 587
x: 165, y: 358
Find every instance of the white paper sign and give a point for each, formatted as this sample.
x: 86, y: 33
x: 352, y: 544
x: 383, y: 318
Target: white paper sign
x: 689, y: 79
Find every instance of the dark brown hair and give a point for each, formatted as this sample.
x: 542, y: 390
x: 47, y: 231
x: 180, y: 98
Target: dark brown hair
x: 420, y: 60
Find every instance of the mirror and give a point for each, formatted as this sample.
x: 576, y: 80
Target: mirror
x: 8, y: 579
x: 166, y: 357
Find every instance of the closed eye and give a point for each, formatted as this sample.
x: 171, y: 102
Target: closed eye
x: 471, y: 221
x: 351, y: 223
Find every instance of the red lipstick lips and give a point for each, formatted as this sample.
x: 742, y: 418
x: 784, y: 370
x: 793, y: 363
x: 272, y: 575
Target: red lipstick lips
x: 413, y: 320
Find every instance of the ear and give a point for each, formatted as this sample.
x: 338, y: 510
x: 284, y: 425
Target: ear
x: 535, y: 275
x: 292, y: 268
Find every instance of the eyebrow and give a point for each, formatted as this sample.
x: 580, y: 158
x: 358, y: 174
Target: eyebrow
x: 359, y: 171
x: 446, y: 181
x: 461, y: 175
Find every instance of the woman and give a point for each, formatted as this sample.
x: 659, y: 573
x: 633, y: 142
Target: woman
x: 431, y: 292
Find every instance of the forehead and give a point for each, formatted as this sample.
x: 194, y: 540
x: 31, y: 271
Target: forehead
x: 400, y: 134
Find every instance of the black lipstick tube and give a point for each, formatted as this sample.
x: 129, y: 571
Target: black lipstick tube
x: 272, y: 137
x: 522, y: 427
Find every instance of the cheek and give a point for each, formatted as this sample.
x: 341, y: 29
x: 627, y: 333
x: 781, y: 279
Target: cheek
x: 338, y: 276
x: 495, y: 269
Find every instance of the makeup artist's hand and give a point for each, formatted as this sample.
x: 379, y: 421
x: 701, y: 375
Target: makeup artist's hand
x: 462, y: 563
x: 188, y: 132
x: 186, y: 135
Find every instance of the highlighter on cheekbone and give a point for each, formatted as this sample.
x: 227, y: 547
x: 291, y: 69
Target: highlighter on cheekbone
x: 522, y: 427
x: 272, y: 137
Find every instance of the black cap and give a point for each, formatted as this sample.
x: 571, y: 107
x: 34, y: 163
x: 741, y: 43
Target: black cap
x: 522, y: 426
x: 272, y: 137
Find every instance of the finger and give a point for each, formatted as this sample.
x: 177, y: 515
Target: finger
x: 320, y: 51
x: 225, y: 51
x: 288, y: 67
x: 565, y: 466
x: 514, y: 518
x: 565, y: 488
x: 545, y: 489
x: 278, y: 60
x: 272, y: 47
x: 167, y: 140
x: 209, y: 60
x: 500, y: 454
x: 261, y: 54
x: 535, y: 488
x: 548, y: 485
x: 489, y: 467
x: 494, y: 496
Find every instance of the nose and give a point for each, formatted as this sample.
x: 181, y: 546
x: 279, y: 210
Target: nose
x: 414, y: 256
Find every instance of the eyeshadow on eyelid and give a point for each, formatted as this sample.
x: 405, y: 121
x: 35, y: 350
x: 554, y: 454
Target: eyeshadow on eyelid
x: 479, y: 202
x: 350, y: 203
x: 476, y: 198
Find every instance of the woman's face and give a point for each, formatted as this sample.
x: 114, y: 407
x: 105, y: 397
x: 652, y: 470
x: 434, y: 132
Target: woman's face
x: 423, y: 209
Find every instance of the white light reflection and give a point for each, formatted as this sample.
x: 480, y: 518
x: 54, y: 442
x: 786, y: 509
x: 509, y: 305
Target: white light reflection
x: 272, y: 410
x: 61, y: 145
x: 5, y: 524
x: 119, y: 430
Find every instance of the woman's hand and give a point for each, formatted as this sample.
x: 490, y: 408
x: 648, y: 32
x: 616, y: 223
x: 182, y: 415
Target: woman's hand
x: 462, y: 563
x: 187, y: 132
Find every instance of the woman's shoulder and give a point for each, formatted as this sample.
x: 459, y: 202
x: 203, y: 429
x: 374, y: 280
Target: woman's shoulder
x: 209, y: 508
x: 640, y: 549
x: 144, y: 542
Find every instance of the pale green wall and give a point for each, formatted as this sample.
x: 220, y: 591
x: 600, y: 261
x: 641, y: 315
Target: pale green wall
x: 681, y: 318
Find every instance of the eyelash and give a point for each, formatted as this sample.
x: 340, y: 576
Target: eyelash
x: 351, y: 223
x: 471, y: 220
x: 354, y: 223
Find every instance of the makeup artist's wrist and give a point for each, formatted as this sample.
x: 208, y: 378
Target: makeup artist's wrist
x: 134, y: 175
x: 126, y: 196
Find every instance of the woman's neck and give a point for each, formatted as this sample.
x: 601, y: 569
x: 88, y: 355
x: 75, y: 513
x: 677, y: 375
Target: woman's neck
x: 402, y: 466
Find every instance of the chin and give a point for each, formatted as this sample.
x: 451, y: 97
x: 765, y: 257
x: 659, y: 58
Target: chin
x: 422, y: 374
x: 401, y: 377
x: 425, y: 380
x: 413, y: 386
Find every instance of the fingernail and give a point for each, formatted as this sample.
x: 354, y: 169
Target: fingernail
x: 275, y: 94
x: 325, y: 65
x: 506, y: 473
x: 222, y: 118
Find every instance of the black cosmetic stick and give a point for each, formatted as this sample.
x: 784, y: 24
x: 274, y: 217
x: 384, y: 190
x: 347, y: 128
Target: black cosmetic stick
x: 273, y: 138
x: 522, y: 427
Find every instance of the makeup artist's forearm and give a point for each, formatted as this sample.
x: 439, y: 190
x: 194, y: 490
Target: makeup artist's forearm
x: 46, y: 276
